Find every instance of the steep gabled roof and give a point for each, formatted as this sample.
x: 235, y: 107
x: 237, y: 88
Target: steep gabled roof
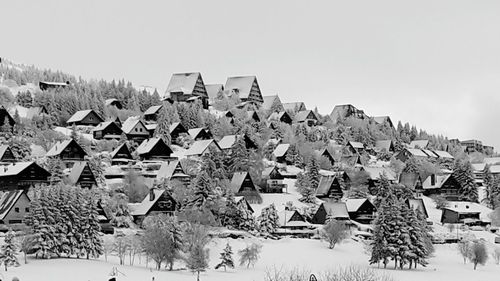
x: 357, y: 145
x: 145, y: 206
x: 416, y: 152
x: 383, y: 144
x: 167, y: 170
x: 277, y: 115
x: 103, y: 125
x: 418, y: 204
x: 130, y: 123
x: 285, y: 216
x: 27, y: 112
x: 153, y: 110
x: 324, y: 185
x: 443, y: 154
x: 123, y: 148
x: 8, y: 200
x: 294, y: 106
x: 419, y: 143
x: 268, y: 102
x: 213, y: 90
x: 439, y: 181
x: 198, y: 147
x: 237, y: 181
x: 147, y: 145
x: 15, y: 169
x: 77, y: 171
x: 353, y: 205
x: 185, y: 83
x: 430, y: 153
x: 281, y: 149
x: 4, y: 149
x: 240, y: 84
x: 228, y: 141
x: 59, y: 147
x: 336, y: 209
x: 80, y: 115
x: 301, y: 116
x: 175, y: 125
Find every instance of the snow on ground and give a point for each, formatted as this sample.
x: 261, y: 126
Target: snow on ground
x: 312, y: 255
x: 67, y: 132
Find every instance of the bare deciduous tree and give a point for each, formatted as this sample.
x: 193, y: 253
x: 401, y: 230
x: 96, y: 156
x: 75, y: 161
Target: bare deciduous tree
x: 478, y: 254
x: 334, y: 232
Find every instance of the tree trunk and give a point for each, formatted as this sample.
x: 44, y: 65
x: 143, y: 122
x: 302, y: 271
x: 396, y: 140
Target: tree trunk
x: 198, y: 277
x: 25, y: 258
x: 171, y: 266
x: 475, y: 265
x: 395, y: 263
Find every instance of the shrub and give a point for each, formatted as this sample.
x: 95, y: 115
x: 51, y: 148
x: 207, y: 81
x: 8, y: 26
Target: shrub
x: 334, y: 232
x: 478, y: 254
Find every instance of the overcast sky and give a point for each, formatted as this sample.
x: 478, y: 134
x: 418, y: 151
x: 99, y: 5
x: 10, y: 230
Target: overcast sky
x: 435, y: 64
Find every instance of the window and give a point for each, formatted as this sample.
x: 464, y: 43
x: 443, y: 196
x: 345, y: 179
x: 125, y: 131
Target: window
x: 135, y: 129
x: 27, y: 210
x: 16, y: 210
x: 15, y: 221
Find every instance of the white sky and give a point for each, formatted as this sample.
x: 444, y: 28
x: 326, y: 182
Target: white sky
x: 435, y: 64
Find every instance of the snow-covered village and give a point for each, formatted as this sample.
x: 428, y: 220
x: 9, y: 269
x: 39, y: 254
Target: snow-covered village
x: 215, y: 175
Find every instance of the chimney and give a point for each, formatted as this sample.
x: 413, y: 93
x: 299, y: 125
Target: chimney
x: 433, y: 179
x: 152, y: 194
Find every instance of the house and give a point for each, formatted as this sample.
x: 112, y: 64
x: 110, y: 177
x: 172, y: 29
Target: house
x: 472, y: 146
x: 200, y: 134
x: 252, y: 116
x: 281, y: 116
x: 292, y: 220
x: 5, y: 116
x: 375, y: 173
x: 294, y: 106
x: 158, y: 201
x: 274, y: 180
x: 14, y: 206
x: 411, y: 180
x: 214, y: 91
x: 151, y: 128
x: 29, y: 112
x: 306, y: 116
x: 6, y: 155
x: 135, y: 129
x: 227, y: 142
x: 355, y: 147
x: 386, y: 145
x: 464, y: 213
x: 85, y: 118
x: 107, y: 130
x: 328, y: 155
x: 202, y: 147
x: 172, y: 170
x: 418, y: 206
x: 409, y: 153
x: 22, y: 175
x: 81, y: 175
x: 186, y: 87
x: 280, y: 153
x: 272, y: 104
x: 121, y: 155
x: 151, y: 114
x: 67, y: 151
x: 446, y: 185
x: 245, y: 87
x: 242, y: 185
x: 344, y: 111
x: 331, y: 210
x: 384, y: 121
x: 361, y: 210
x: 351, y: 160
x: 176, y: 129
x: 154, y: 149
x: 329, y: 187
x: 419, y: 144
x: 113, y: 102
x: 47, y: 85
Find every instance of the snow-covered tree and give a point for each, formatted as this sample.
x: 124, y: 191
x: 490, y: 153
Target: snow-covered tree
x: 226, y: 258
x: 334, y: 232
x: 250, y: 254
x: 268, y: 219
x: 478, y: 254
x: 197, y: 260
x: 8, y: 251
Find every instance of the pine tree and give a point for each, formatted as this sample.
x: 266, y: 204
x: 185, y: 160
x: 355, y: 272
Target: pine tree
x: 385, y: 237
x: 268, y: 220
x: 202, y: 189
x: 197, y: 260
x: 239, y: 157
x: 9, y: 251
x: 55, y: 167
x: 247, y: 221
x: 492, y: 189
x: 93, y: 241
x: 464, y: 175
x: 226, y: 258
x: 312, y: 173
x: 163, y: 128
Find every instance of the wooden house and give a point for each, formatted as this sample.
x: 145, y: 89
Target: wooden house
x: 14, y: 206
x: 107, y: 130
x: 280, y: 153
x: 375, y: 173
x: 22, y: 175
x: 329, y: 187
x: 461, y: 213
x: 245, y: 87
x: 172, y: 171
x: 243, y: 204
x: 5, y: 116
x: 327, y: 155
x: 47, y: 85
x: 152, y: 113
x: 361, y: 210
x: 154, y: 149
x: 121, y: 155
x: 384, y: 145
x: 446, y: 185
x: 383, y: 121
x: 351, y: 160
x: 274, y: 180
x: 242, y: 185
x: 281, y: 116
x: 292, y: 220
x: 185, y: 87
x: 272, y: 104
x: 410, y: 153
x: 344, y: 111
x: 67, y: 151
x: 355, y: 147
x: 411, y: 180
x: 85, y: 118
x: 202, y: 147
x: 158, y: 201
x: 176, y: 129
x: 307, y: 117
x: 81, y: 175
x: 6, y: 155
x: 113, y: 103
x: 135, y: 129
x: 330, y: 210
x: 200, y: 134
x: 227, y: 142
x: 294, y: 106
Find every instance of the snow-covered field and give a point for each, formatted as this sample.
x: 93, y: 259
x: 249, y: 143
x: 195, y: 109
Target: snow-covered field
x: 312, y: 255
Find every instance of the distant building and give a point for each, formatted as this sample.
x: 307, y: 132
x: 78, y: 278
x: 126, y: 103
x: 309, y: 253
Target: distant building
x: 186, y: 87
x: 245, y: 87
x: 294, y: 106
x: 47, y: 85
x: 5, y: 116
x: 242, y: 185
x: 151, y: 114
x: 154, y: 149
x: 107, y: 130
x: 85, y: 118
x: 68, y: 151
x: 158, y: 201
x: 135, y: 129
x: 272, y: 104
x: 333, y: 210
x: 81, y: 175
x: 113, y: 102
x: 345, y: 111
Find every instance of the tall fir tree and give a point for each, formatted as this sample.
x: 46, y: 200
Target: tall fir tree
x: 464, y: 175
x: 9, y: 251
x: 226, y: 258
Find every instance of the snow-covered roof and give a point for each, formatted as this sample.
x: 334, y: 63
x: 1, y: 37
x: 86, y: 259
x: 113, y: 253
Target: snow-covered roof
x: 417, y: 152
x: 76, y: 171
x: 199, y: 147
x: 430, y: 153
x: 120, y: 147
x: 130, y: 124
x: 26, y: 112
x: 376, y: 172
x: 383, y: 144
x: 357, y: 144
x: 268, y: 102
x: 281, y: 149
x: 167, y: 170
x: 336, y: 209
x: 353, y: 205
x: 240, y: 84
x: 8, y: 200
x: 147, y: 145
x: 491, y: 160
x: 237, y: 181
x: 302, y: 115
x: 443, y: 154
x: 143, y: 208
x: 152, y: 109
x: 285, y: 216
x: 478, y: 167
x: 14, y: 168
x: 324, y: 185
x: 80, y: 115
x: 183, y: 82
x: 293, y: 106
x: 228, y: 141
x: 151, y: 127
x: 58, y: 148
x: 419, y: 143
x: 439, y: 181
x: 495, y: 169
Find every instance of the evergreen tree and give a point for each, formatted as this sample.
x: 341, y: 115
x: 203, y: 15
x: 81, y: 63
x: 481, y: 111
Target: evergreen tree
x: 268, y: 220
x: 240, y: 157
x: 202, y: 187
x: 9, y: 251
x: 312, y: 172
x: 55, y: 167
x: 464, y: 175
x: 163, y: 128
x: 226, y: 258
x: 492, y: 189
